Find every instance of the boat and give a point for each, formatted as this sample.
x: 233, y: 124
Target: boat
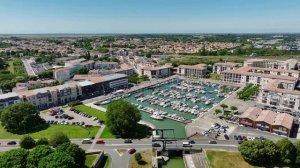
x: 156, y: 116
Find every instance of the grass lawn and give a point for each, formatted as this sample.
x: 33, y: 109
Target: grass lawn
x: 107, y: 161
x: 175, y: 162
x: 106, y: 134
x: 146, y: 157
x: 11, y: 66
x: 90, y: 160
x: 72, y: 131
x: 224, y: 159
x: 91, y: 111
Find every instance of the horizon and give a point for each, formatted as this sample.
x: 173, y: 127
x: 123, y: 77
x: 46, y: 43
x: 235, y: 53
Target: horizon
x: 149, y: 17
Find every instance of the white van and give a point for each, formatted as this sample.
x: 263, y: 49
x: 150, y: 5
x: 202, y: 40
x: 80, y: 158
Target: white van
x: 86, y: 141
x: 186, y: 144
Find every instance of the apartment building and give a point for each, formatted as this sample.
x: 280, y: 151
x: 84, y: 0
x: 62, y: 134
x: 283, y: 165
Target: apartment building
x: 155, y: 71
x: 9, y: 99
x: 52, y: 96
x: 95, y: 84
x: 257, y: 75
x: 274, y: 64
x: 106, y: 65
x: 267, y: 120
x: 223, y: 66
x: 280, y: 95
x: 62, y: 74
x: 195, y: 71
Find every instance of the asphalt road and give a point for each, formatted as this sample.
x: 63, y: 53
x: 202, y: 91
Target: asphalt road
x: 117, y: 149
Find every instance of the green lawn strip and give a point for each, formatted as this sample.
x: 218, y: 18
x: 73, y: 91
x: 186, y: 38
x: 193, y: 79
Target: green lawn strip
x: 225, y: 159
x: 175, y: 162
x: 91, y: 111
x: 106, y: 134
x: 90, y: 160
x: 72, y: 131
x: 11, y: 67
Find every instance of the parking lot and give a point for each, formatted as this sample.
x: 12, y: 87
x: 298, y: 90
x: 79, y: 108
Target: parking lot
x: 69, y: 117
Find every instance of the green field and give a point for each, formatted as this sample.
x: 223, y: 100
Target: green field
x: 72, y: 131
x: 106, y: 134
x: 224, y: 159
x: 91, y: 111
x: 146, y: 160
x: 90, y: 160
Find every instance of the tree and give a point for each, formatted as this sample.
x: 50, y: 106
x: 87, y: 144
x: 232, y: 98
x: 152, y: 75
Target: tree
x: 82, y: 70
x: 233, y: 108
x: 46, y: 74
x: 15, y: 158
x: 297, y: 146
x: 27, y: 142
x: 253, y: 152
x: 21, y: 118
x: 75, y: 151
x: 42, y: 141
x: 287, y: 151
x: 148, y: 54
x: 271, y: 151
x: 138, y: 157
x: 224, y: 106
x: 59, y: 138
x: 122, y: 118
x: 217, y: 111
x: 37, y: 154
x: 57, y: 159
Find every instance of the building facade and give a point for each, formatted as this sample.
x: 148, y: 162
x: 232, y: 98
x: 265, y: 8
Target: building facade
x: 274, y: 64
x: 223, y: 66
x: 8, y: 99
x: 195, y: 71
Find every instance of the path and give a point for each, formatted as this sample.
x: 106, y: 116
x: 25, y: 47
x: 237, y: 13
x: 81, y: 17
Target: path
x: 96, y: 137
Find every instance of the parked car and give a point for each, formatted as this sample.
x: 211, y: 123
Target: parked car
x: 191, y: 141
x: 86, y: 141
x: 155, y: 144
x: 212, y: 142
x: 226, y: 136
x: 235, y: 137
x: 11, y: 143
x: 262, y: 138
x: 100, y: 141
x: 127, y: 141
x: 131, y: 151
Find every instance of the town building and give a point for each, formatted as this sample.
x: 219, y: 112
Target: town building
x: 9, y: 99
x: 155, y: 71
x: 280, y: 95
x: 95, y: 84
x: 52, y: 96
x: 257, y: 75
x: 267, y: 120
x: 195, y: 71
x: 223, y: 66
x: 106, y: 65
x: 274, y: 64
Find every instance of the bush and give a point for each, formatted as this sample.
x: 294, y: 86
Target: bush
x: 75, y: 151
x: 27, y: 142
x: 15, y: 158
x: 42, y: 141
x: 37, y: 154
x: 74, y: 103
x: 138, y: 157
x: 57, y: 159
x: 59, y: 138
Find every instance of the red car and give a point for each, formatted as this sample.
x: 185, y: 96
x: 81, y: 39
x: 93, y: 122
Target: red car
x: 100, y: 141
x: 131, y: 151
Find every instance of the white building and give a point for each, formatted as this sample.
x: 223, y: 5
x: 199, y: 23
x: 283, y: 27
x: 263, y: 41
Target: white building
x: 9, y: 99
x: 223, y: 66
x: 274, y: 64
x: 196, y: 71
x: 106, y: 65
x: 259, y: 76
x: 155, y: 71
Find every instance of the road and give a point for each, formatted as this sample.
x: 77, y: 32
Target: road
x: 117, y: 149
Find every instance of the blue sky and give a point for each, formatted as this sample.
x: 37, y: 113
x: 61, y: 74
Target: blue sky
x: 149, y: 16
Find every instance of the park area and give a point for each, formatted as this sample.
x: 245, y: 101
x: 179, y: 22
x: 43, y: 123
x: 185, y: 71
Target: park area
x: 224, y: 159
x: 72, y: 131
x: 91, y: 111
x: 145, y: 162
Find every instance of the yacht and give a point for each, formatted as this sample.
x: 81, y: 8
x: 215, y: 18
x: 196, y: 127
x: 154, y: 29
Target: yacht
x: 156, y: 116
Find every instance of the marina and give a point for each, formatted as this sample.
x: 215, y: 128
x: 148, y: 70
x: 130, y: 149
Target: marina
x: 176, y: 103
